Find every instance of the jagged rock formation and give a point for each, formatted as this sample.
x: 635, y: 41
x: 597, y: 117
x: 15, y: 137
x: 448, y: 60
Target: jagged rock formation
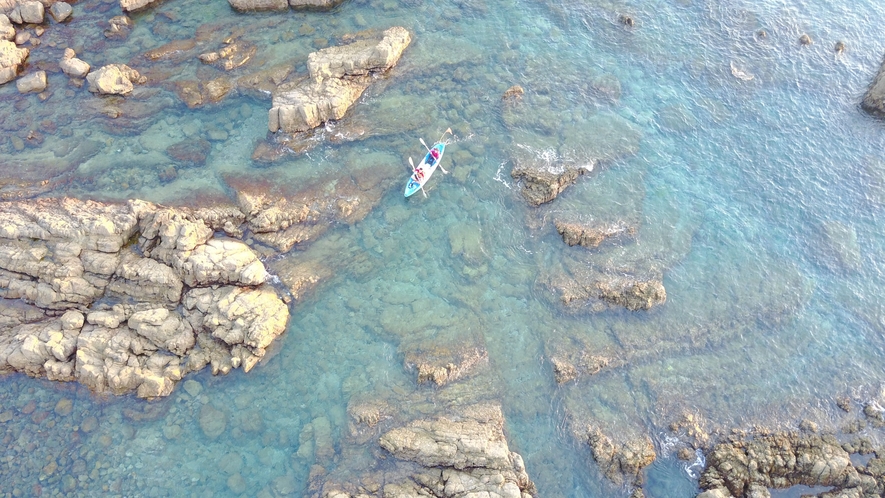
x: 588, y: 288
x: 457, y: 455
x: 874, y: 100
x: 591, y: 235
x: 128, y: 297
x: 748, y: 467
x: 338, y: 76
x: 11, y: 60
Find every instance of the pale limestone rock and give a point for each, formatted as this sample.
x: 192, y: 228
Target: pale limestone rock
x: 72, y: 66
x: 113, y: 79
x: 11, y: 60
x: 237, y: 315
x: 7, y: 31
x: 222, y: 261
x: 132, y: 5
x: 167, y: 330
x: 32, y: 83
x: 60, y: 11
x: 339, y: 75
x: 146, y: 280
x: 359, y: 58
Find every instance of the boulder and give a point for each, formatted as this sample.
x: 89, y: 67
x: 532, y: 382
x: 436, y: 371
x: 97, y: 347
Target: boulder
x: 31, y: 12
x: 61, y: 11
x: 7, y: 31
x: 258, y: 5
x: 338, y: 76
x: 874, y: 100
x: 133, y: 5
x: 72, y: 66
x: 32, y: 83
x: 113, y: 79
x: 11, y: 60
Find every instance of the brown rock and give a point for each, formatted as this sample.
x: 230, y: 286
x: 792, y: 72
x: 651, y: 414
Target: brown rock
x: 190, y: 152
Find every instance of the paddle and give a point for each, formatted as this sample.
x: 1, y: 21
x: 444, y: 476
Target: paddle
x: 412, y: 164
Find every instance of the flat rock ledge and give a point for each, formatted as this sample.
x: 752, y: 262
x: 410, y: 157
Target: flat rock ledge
x: 460, y: 455
x: 874, y: 100
x: 338, y: 77
x: 590, y: 235
x: 597, y: 291
x: 129, y: 297
x: 752, y: 466
x: 262, y: 5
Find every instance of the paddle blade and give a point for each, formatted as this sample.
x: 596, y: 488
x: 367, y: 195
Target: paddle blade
x: 411, y: 163
x: 424, y: 144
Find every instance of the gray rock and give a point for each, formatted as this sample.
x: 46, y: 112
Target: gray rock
x: 32, y: 83
x: 259, y: 5
x: 31, y: 12
x: 874, y: 100
x: 315, y: 4
x: 60, y: 11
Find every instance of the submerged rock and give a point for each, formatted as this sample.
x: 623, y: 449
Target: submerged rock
x: 590, y: 235
x: 32, y: 83
x: 259, y: 5
x: 61, y: 11
x: 874, y: 100
x: 595, y: 290
x: 338, y: 76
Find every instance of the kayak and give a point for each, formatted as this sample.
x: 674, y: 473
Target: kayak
x: 425, y: 170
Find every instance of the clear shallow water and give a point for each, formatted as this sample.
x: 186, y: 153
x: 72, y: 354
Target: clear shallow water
x: 731, y: 186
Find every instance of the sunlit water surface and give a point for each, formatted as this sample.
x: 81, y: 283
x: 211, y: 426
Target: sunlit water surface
x: 732, y: 184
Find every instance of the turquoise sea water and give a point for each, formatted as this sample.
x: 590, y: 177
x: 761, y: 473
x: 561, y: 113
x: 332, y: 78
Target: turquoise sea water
x: 759, y: 200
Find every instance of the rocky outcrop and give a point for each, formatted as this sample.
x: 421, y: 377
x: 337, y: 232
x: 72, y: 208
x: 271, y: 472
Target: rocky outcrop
x: 783, y: 460
x: 128, y: 297
x: 621, y: 462
x: 338, y: 76
x: 11, y: 60
x: 457, y: 455
x: 591, y: 235
x: 874, y: 100
x: 597, y: 290
x: 114, y: 79
x: 543, y: 181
